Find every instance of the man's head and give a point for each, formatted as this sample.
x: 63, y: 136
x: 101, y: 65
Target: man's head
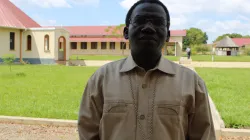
x: 147, y: 27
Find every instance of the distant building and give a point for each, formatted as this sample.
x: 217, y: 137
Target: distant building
x: 230, y: 46
x: 27, y: 40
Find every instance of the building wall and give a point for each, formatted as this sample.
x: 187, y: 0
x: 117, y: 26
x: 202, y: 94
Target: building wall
x: 99, y: 51
x: 179, y: 44
x: 38, y: 54
x: 5, y: 42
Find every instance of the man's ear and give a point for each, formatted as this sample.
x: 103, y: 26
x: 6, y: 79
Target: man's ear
x: 125, y: 32
x: 168, y: 36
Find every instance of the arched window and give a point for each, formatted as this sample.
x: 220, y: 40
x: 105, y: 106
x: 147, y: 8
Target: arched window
x: 29, y: 42
x: 46, y: 42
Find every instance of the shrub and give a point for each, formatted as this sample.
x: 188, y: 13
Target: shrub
x: 200, y: 49
x: 9, y: 59
x: 246, y: 51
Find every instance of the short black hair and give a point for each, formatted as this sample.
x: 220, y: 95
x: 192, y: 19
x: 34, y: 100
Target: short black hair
x: 147, y: 1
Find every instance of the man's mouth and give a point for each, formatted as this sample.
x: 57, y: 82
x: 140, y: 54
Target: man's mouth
x: 147, y: 38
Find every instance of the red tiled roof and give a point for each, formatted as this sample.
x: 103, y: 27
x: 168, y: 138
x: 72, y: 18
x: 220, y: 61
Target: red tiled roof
x: 12, y: 16
x: 100, y: 30
x: 241, y: 41
x: 94, y: 39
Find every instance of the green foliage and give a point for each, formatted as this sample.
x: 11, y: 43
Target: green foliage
x: 9, y: 59
x: 170, y: 51
x: 200, y: 49
x: 233, y: 35
x: 116, y: 31
x: 246, y: 51
x: 195, y: 36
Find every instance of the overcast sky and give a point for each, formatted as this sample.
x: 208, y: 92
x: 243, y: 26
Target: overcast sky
x: 215, y: 17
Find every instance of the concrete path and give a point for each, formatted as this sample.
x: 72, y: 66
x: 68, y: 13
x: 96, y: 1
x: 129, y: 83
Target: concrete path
x: 193, y: 64
x: 41, y: 132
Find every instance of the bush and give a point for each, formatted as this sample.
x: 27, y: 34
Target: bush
x: 246, y: 51
x: 9, y: 59
x: 200, y: 49
x: 170, y: 51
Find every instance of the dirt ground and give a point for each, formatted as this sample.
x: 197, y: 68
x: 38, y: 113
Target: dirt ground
x: 35, y: 132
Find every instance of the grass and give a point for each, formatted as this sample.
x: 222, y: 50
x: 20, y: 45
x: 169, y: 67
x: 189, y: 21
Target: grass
x: 230, y: 91
x: 42, y: 91
x: 55, y: 91
x: 110, y: 57
x: 221, y: 58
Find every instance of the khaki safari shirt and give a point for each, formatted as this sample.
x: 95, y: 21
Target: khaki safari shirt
x: 121, y: 101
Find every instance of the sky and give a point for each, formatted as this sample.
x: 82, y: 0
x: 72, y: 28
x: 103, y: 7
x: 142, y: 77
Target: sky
x: 215, y: 17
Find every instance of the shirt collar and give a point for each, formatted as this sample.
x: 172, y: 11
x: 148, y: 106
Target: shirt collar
x: 164, y: 65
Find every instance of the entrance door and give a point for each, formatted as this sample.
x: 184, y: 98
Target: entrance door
x: 228, y: 53
x: 62, y: 49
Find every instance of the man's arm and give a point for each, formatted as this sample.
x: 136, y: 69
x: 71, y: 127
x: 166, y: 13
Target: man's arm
x: 201, y: 125
x: 90, y: 111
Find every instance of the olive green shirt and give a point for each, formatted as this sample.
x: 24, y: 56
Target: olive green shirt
x: 121, y: 101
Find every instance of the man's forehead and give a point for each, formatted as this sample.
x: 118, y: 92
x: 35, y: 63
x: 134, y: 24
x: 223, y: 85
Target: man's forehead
x: 149, y: 9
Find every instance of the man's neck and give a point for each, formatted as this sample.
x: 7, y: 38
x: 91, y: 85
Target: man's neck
x: 146, y: 62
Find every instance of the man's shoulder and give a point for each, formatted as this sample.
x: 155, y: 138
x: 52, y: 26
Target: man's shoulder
x: 181, y: 69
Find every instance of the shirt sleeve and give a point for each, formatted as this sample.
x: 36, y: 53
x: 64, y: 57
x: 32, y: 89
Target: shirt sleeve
x: 90, y: 111
x: 201, y: 125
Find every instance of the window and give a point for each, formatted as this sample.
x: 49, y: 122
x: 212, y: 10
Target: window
x: 104, y: 45
x: 123, y: 45
x: 93, y: 45
x: 112, y: 45
x: 12, y: 41
x: 29, y: 43
x: 46, y: 43
x: 73, y: 45
x: 84, y: 45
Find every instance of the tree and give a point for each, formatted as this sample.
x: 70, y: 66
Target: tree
x: 117, y: 32
x: 195, y: 36
x: 233, y: 35
x: 9, y: 59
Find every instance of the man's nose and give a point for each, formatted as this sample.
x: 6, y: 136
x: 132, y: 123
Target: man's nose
x: 148, y: 28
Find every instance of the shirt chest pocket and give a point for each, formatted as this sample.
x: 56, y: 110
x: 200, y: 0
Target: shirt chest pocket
x: 116, y: 121
x: 168, y: 119
x: 115, y: 108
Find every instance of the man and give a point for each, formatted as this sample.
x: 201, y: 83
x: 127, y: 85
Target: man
x: 145, y: 96
x: 188, y: 50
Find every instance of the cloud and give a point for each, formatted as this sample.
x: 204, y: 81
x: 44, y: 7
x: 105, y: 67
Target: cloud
x: 215, y: 28
x: 85, y: 2
x: 43, y: 21
x: 43, y: 3
x: 54, y: 3
x: 215, y: 17
x: 192, y: 6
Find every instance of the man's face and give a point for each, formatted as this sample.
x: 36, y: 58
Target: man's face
x: 147, y: 30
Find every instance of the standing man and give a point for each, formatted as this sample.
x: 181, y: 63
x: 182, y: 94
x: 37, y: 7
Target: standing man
x: 145, y: 96
x: 188, y: 50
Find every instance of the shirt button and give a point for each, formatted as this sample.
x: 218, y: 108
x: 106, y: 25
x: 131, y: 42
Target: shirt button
x: 142, y: 117
x: 144, y: 85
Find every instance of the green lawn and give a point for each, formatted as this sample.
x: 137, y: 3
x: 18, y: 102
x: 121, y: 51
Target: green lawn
x: 110, y: 57
x: 230, y: 90
x: 42, y: 91
x: 221, y: 58
x: 56, y: 91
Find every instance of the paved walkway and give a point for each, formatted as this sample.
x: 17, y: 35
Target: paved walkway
x: 193, y: 64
